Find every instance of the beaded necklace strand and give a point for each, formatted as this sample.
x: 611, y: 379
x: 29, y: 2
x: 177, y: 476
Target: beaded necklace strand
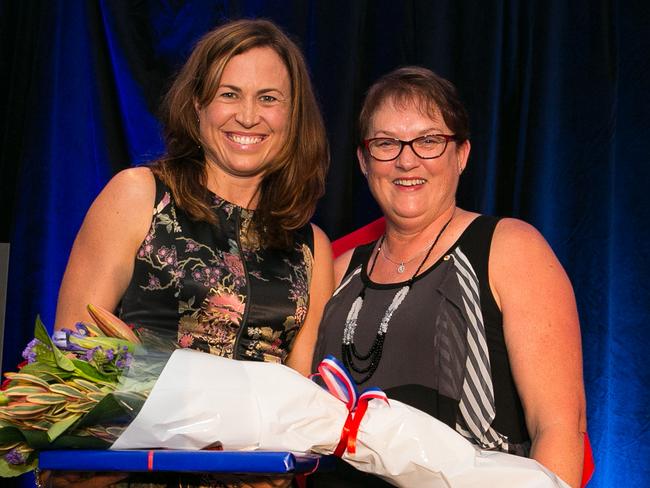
x: 373, y: 356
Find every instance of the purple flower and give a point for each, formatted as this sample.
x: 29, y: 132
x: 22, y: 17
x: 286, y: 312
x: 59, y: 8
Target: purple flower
x: 60, y: 339
x: 90, y: 354
x: 15, y: 457
x: 82, y: 330
x: 128, y: 359
x: 29, y: 353
x: 110, y: 354
x: 125, y: 360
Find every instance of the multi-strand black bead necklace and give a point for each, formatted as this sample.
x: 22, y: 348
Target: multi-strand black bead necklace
x: 373, y: 356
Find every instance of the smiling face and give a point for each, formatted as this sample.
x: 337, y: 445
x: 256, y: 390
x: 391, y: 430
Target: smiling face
x: 411, y: 190
x: 245, y: 125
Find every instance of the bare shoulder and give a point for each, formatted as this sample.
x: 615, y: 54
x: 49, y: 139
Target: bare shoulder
x: 122, y: 211
x: 106, y: 245
x: 516, y: 230
x: 514, y: 238
x: 321, y: 241
x: 131, y: 185
x: 341, y: 264
x: 323, y: 259
x: 521, y: 259
x: 130, y: 193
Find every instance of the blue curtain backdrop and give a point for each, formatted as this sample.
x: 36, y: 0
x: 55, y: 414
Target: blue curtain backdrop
x: 559, y: 100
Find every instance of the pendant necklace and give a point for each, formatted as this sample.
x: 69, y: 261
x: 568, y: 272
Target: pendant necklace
x: 373, y: 356
x: 401, y: 265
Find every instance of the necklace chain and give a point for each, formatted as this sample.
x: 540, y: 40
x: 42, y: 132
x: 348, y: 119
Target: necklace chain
x: 373, y: 356
x: 401, y: 265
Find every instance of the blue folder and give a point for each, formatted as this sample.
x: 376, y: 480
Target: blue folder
x: 184, y: 461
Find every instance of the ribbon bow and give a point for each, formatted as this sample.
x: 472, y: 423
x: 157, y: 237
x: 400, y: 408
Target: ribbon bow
x: 339, y: 383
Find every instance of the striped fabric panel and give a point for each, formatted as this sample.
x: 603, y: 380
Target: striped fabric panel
x: 347, y: 280
x: 477, y: 400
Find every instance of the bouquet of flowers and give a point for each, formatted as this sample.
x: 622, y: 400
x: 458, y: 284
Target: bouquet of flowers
x: 76, y: 389
x: 77, y: 386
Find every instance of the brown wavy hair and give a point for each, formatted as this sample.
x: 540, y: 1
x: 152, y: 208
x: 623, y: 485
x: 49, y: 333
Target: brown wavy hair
x: 293, y: 181
x: 414, y: 84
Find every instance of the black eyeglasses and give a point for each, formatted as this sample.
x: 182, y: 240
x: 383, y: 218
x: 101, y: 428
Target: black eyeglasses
x: 426, y: 147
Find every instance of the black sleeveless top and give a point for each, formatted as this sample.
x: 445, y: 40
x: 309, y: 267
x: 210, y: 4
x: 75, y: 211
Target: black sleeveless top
x: 448, y: 324
x: 214, y: 288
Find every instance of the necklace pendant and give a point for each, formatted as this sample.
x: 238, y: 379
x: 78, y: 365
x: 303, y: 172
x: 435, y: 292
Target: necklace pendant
x: 401, y: 268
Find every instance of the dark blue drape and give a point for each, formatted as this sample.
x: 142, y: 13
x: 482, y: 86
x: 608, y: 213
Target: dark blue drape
x: 559, y: 100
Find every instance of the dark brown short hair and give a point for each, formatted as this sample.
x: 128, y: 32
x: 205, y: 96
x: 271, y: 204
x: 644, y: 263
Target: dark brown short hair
x: 294, y: 181
x: 421, y: 86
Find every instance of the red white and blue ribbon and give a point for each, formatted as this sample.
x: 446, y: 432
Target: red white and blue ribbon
x: 339, y: 383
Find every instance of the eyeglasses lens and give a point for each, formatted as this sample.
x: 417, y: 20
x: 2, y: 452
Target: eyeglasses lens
x: 426, y: 147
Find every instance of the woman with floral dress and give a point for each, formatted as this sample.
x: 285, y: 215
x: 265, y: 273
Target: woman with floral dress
x: 212, y: 242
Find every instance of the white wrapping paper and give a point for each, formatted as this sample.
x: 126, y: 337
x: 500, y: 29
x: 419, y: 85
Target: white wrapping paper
x: 201, y: 399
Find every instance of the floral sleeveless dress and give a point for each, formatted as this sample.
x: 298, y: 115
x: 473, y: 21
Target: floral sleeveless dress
x: 214, y: 288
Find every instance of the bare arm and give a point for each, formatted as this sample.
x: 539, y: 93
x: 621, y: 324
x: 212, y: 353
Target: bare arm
x: 101, y: 261
x: 341, y: 265
x: 542, y: 335
x: 321, y: 288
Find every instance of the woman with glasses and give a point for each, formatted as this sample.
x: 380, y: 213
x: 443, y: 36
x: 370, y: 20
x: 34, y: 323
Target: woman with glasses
x: 467, y: 317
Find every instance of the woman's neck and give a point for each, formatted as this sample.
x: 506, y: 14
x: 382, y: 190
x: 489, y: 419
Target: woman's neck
x: 403, y: 241
x: 242, y: 191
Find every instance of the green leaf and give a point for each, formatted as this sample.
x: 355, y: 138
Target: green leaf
x: 80, y: 407
x: 46, y: 398
x: 67, y: 390
x: 27, y: 378
x: 87, y: 385
x: 38, y: 439
x: 12, y: 470
x: 48, y: 372
x: 24, y: 410
x: 106, y: 343
x: 10, y: 434
x: 24, y: 390
x: 79, y: 442
x: 113, y: 407
x: 60, y: 427
x: 41, y: 425
x: 89, y: 372
x: 40, y: 332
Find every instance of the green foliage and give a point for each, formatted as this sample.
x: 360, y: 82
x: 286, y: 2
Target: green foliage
x: 67, y: 399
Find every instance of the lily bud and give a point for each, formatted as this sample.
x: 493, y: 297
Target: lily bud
x: 111, y: 325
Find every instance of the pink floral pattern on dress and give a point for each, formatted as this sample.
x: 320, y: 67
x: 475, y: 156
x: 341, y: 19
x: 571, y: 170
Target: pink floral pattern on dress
x: 211, y: 273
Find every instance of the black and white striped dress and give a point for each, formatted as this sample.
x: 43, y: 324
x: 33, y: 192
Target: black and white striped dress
x: 444, y: 352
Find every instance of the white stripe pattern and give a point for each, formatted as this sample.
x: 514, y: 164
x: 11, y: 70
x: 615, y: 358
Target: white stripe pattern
x: 477, y: 399
x: 347, y: 280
